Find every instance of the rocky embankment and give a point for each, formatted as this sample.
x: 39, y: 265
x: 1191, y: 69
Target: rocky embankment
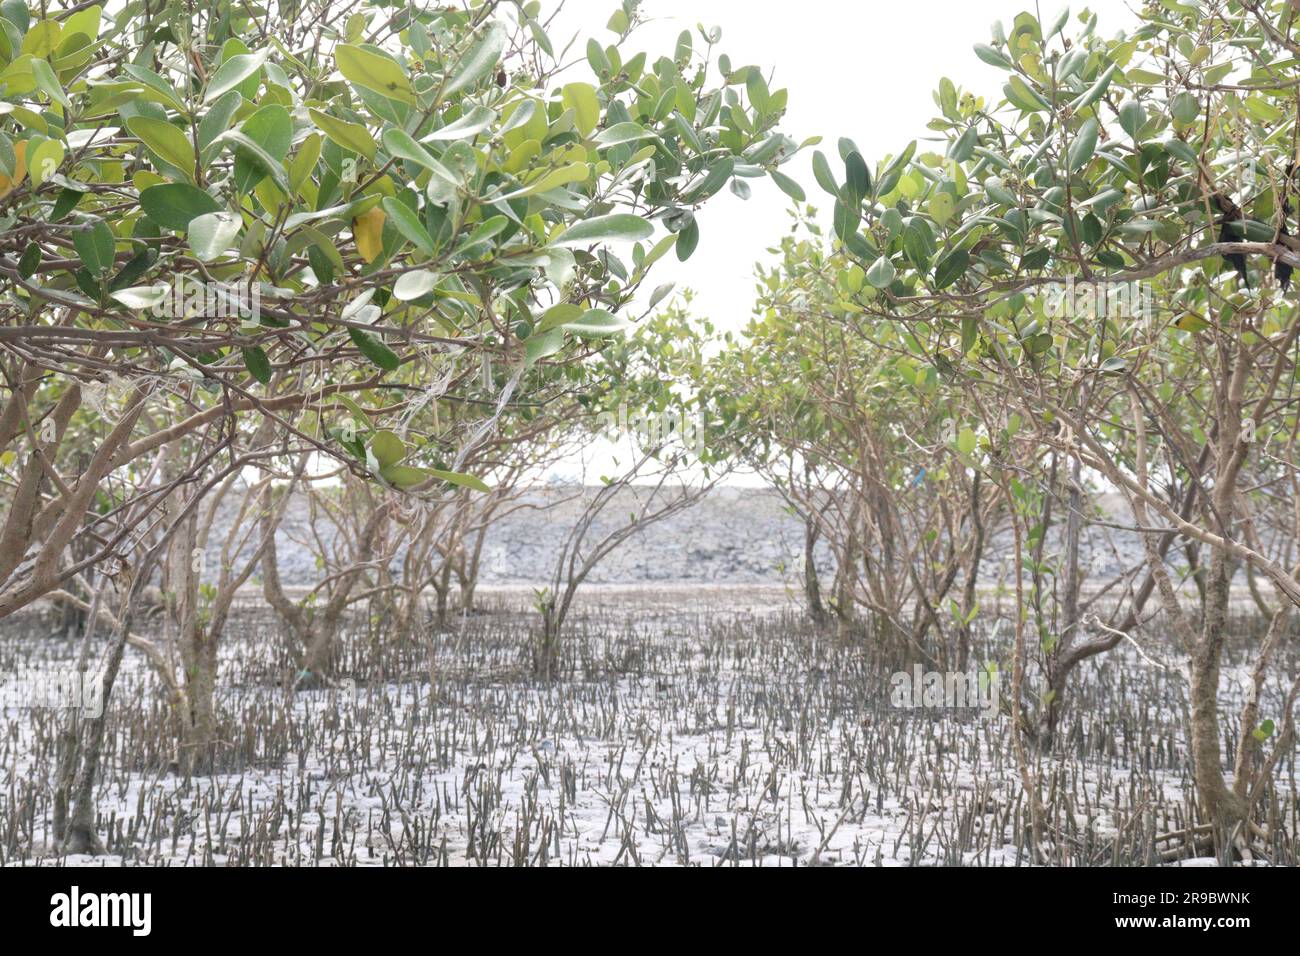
x: 734, y: 536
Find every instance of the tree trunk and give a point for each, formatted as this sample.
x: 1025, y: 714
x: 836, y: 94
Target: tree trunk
x: 199, y: 727
x: 79, y: 834
x: 469, y: 577
x: 969, y: 593
x: 1222, y: 806
x: 322, y: 655
x: 442, y: 594
x: 1057, y: 674
x: 811, y: 585
x: 181, y: 578
x: 546, y: 659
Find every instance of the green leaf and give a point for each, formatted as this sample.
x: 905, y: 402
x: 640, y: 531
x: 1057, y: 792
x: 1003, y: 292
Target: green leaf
x: 881, y: 273
x: 992, y: 57
x: 348, y: 210
x: 963, y: 148
x: 556, y: 316
x: 233, y: 72
x: 1019, y: 93
x: 1084, y: 145
x: 218, y: 118
x: 139, y: 297
x: 165, y: 140
x: 596, y: 323
x: 1185, y: 107
x: 212, y: 234
x: 596, y: 56
x: 966, y: 441
x: 687, y: 240
x: 480, y: 59
x: 1038, y: 344
x: 951, y: 268
x: 400, y: 144
x: 788, y: 186
x: 1062, y: 18
x: 1132, y: 117
x: 134, y: 270
x: 258, y: 365
x: 1251, y: 230
x: 30, y: 260
x: 859, y: 179
x: 918, y: 243
x: 477, y: 120
x: 350, y: 136
x: 373, y: 71
x: 620, y: 133
x: 1181, y: 151
x: 616, y: 227
x: 176, y: 204
x: 760, y: 97
x: 822, y: 173
x: 94, y: 245
x: 48, y: 83
x: 408, y: 224
x: 1264, y: 731
x: 304, y: 161
x: 84, y: 21
x: 713, y: 180
x: 375, y: 350
x: 387, y: 448
x: 538, y: 347
x: 415, y: 285
x: 486, y: 230
x: 404, y: 476
x: 457, y: 478
x: 1146, y: 77
x: 271, y: 128
x: 41, y: 37
x: 1096, y: 91
x: 247, y: 148
x: 155, y: 83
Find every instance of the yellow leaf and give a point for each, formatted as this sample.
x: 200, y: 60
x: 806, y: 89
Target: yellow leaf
x: 373, y: 71
x: 304, y: 161
x: 368, y: 230
x: 26, y: 118
x: 555, y: 178
x: 521, y: 155
x: 581, y: 98
x: 43, y: 38
x: 20, y: 169
x: 45, y: 160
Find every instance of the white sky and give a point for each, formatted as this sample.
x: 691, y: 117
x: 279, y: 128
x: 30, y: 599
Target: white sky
x: 865, y: 70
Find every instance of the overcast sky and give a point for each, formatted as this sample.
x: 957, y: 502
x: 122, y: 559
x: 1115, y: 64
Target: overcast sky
x: 862, y: 69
